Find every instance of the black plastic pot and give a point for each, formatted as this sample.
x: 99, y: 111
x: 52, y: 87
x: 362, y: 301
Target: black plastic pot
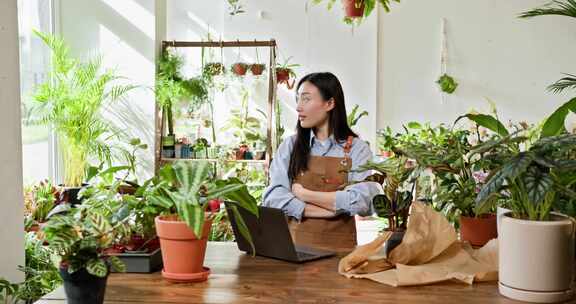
x: 394, y: 241
x: 83, y: 288
x: 70, y: 194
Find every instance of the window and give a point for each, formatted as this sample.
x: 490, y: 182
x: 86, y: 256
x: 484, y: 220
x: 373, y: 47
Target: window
x: 37, y: 156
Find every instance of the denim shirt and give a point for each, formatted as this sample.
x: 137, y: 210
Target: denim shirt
x: 354, y: 199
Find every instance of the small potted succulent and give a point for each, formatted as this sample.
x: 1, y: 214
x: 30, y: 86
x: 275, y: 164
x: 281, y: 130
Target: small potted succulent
x: 80, y: 239
x: 187, y: 190
x: 239, y: 68
x: 201, y: 148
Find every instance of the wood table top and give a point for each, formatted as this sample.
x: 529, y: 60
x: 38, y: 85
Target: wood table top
x: 239, y: 278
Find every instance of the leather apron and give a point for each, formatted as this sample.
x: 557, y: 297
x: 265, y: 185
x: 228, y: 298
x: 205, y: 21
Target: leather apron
x: 326, y: 174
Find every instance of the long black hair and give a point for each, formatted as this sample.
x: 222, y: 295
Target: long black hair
x: 329, y: 87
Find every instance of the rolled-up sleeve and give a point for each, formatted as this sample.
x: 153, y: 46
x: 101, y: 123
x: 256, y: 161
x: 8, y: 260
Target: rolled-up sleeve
x: 278, y: 194
x: 357, y: 198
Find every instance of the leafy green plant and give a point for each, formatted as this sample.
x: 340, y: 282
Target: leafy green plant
x: 532, y: 180
x: 246, y: 129
x: 171, y: 87
x: 8, y: 290
x: 447, y: 84
x: 354, y: 116
x: 395, y: 175
x: 80, y: 238
x: 565, y: 8
x: 235, y: 7
x: 72, y: 101
x: 287, y: 66
x: 41, y: 275
x: 187, y: 188
x: 43, y: 199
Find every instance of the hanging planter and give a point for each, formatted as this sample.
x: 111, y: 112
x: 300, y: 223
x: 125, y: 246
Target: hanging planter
x: 257, y: 69
x: 239, y: 68
x: 285, y: 72
x: 214, y: 68
x: 447, y: 84
x: 354, y: 8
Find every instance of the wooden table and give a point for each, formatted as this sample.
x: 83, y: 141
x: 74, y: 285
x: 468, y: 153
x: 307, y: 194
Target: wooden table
x: 240, y: 278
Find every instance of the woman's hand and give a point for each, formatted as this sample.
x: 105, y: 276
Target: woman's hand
x: 299, y: 191
x: 325, y: 200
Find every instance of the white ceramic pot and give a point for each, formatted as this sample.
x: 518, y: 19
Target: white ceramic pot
x: 536, y: 259
x: 499, y: 213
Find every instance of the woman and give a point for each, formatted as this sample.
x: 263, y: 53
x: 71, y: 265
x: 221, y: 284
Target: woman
x: 311, y: 172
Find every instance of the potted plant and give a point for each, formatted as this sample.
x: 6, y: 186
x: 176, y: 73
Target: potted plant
x: 239, y: 68
x: 214, y: 68
x: 285, y: 72
x: 354, y: 8
x: 186, y: 190
x: 447, y: 154
x: 39, y: 201
x: 397, y: 178
x: 257, y: 69
x: 358, y: 9
x: 201, y: 148
x: 171, y: 87
x: 536, y: 245
x: 72, y: 102
x: 80, y: 239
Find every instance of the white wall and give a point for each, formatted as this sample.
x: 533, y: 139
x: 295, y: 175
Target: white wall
x: 124, y: 32
x: 492, y: 54
x: 11, y: 197
x: 316, y: 38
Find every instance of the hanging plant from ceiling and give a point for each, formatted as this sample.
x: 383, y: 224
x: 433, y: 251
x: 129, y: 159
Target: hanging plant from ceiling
x: 357, y: 10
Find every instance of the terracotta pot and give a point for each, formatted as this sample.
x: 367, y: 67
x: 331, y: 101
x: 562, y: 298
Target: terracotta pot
x: 239, y: 69
x: 257, y: 69
x: 182, y: 252
x: 282, y: 75
x: 536, y: 259
x: 354, y: 8
x: 478, y: 230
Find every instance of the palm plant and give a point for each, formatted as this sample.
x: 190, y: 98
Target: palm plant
x: 73, y: 102
x: 558, y: 8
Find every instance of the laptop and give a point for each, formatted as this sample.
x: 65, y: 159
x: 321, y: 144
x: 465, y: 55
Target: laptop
x: 271, y: 236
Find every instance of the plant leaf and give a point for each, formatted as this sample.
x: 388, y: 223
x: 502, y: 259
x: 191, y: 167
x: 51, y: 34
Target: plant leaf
x: 97, y: 267
x: 487, y: 121
x: 554, y: 124
x: 116, y: 264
